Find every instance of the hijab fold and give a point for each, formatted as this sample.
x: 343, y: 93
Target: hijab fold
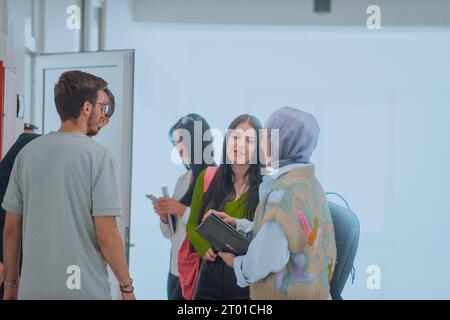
x: 298, y: 136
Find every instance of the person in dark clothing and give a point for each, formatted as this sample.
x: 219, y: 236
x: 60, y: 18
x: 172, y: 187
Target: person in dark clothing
x: 6, y: 166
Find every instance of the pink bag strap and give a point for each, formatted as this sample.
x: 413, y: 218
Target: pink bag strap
x: 209, y: 176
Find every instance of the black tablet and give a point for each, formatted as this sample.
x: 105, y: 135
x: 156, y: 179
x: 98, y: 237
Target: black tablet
x: 222, y: 236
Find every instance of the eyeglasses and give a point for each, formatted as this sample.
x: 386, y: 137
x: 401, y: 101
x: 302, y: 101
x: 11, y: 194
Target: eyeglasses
x: 106, y: 107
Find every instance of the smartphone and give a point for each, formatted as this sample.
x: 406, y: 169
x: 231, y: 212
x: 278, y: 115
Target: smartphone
x: 165, y: 191
x: 151, y: 197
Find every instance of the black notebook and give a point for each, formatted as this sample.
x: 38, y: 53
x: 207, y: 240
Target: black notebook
x: 222, y: 236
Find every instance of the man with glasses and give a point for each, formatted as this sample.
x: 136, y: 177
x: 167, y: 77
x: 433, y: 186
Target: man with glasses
x: 6, y: 164
x: 62, y: 202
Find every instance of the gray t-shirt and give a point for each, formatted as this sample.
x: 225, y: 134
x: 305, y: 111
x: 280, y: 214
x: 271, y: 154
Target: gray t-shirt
x: 59, y: 182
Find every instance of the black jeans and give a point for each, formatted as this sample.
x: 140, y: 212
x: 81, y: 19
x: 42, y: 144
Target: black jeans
x: 174, y: 288
x: 217, y: 281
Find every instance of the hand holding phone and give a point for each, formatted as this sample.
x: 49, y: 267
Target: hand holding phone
x: 155, y: 200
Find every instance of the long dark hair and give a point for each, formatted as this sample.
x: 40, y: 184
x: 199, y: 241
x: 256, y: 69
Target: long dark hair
x: 222, y: 189
x: 188, y: 123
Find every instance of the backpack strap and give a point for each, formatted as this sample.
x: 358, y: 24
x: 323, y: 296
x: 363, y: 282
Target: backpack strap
x: 209, y: 176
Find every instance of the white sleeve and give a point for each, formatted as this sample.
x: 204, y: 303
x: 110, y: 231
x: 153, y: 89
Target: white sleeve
x: 185, y: 216
x: 165, y: 229
x: 244, y: 225
x: 268, y: 252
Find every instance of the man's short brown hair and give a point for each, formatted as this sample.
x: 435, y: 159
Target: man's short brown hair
x: 73, y: 89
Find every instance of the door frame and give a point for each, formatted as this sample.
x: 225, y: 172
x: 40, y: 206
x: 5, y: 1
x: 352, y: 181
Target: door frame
x: 122, y: 59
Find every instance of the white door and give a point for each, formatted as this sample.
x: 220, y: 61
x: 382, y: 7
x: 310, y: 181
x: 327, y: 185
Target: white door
x: 116, y: 67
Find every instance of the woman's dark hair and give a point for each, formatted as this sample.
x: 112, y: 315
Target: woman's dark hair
x: 188, y: 123
x: 222, y: 189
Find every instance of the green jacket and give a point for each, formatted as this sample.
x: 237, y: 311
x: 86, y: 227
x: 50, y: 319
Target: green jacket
x: 234, y: 209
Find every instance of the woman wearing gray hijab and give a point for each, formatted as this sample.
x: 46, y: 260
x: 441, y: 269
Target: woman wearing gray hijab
x: 293, y: 252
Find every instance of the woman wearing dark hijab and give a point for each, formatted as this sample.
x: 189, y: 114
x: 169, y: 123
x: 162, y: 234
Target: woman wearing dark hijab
x: 293, y: 252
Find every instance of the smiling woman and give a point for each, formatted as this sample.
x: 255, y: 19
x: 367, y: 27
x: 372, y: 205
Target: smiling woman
x: 234, y: 190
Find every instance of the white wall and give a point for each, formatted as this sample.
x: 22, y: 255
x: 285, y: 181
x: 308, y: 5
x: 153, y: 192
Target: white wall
x: 52, y: 36
x: 12, y: 46
x: 55, y: 36
x: 292, y: 12
x: 383, y: 94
